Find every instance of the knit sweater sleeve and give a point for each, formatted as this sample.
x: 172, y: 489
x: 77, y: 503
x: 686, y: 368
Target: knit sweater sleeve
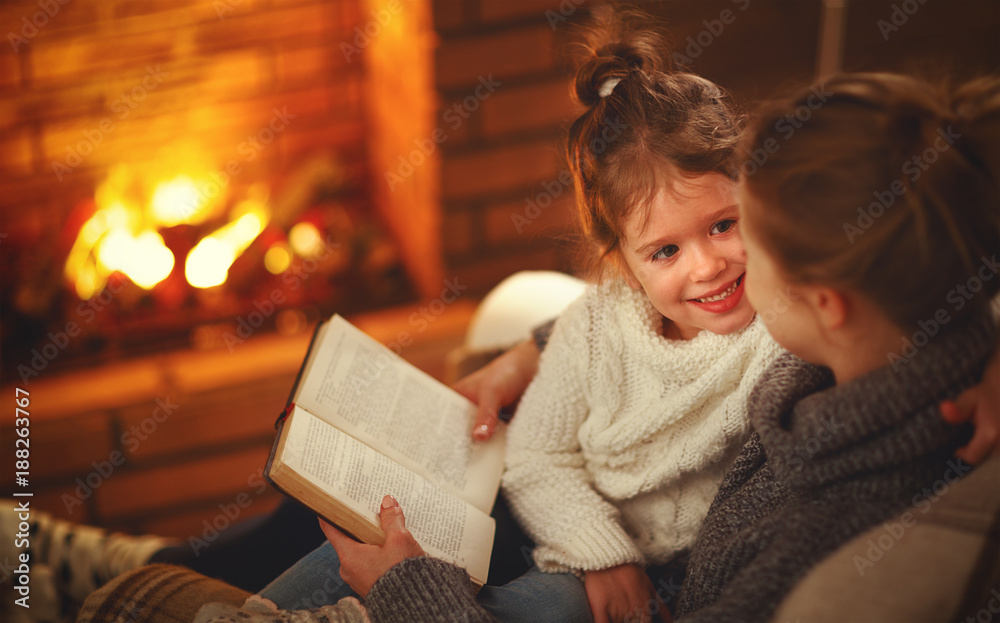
x: 424, y: 589
x: 547, y: 482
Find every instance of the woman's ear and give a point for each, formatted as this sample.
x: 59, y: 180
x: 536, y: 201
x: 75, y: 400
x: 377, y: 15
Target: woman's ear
x: 830, y: 306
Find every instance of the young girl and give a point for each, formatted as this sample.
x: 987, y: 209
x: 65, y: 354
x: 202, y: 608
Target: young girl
x: 639, y: 404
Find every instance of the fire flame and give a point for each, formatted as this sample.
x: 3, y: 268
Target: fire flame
x: 208, y: 263
x: 123, y: 237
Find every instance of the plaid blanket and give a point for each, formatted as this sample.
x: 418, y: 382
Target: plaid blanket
x: 157, y: 593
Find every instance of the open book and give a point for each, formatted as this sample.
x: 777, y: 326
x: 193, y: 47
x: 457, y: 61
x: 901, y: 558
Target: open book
x: 362, y: 423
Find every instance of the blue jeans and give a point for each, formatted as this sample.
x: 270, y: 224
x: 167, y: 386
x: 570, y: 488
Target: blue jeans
x: 535, y: 596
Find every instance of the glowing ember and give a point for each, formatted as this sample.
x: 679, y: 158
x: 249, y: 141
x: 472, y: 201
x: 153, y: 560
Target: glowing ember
x: 208, y: 263
x: 277, y: 259
x: 305, y: 239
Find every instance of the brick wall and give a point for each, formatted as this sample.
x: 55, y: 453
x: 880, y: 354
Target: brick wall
x: 502, y: 206
x: 115, y: 81
x: 504, y: 104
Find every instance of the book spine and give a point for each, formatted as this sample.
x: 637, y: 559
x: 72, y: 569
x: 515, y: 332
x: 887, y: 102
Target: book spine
x: 298, y: 377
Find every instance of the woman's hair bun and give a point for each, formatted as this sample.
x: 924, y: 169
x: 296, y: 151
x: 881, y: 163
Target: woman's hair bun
x: 976, y: 112
x: 620, y: 40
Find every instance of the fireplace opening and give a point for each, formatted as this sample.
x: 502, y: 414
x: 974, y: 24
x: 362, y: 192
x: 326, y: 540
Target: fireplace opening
x: 200, y: 174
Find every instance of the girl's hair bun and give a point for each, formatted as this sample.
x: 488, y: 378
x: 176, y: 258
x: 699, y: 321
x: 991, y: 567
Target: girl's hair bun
x: 622, y: 41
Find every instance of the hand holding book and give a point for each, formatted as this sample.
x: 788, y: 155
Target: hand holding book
x: 361, y: 565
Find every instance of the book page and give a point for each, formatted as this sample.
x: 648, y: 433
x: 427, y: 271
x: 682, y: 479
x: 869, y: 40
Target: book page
x: 357, y: 476
x: 369, y: 392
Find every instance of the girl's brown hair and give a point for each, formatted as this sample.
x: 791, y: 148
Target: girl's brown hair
x: 654, y: 123
x: 885, y: 185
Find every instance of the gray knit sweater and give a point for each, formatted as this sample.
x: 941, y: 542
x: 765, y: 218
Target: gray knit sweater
x: 825, y: 464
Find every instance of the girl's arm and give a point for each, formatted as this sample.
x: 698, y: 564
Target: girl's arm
x: 547, y: 481
x: 498, y: 384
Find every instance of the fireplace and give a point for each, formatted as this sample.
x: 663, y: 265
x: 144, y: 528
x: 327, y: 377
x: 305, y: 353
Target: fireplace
x: 193, y: 173
x: 415, y: 140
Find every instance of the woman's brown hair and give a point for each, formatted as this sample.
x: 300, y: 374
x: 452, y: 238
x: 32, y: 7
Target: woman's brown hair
x: 886, y: 185
x: 651, y: 124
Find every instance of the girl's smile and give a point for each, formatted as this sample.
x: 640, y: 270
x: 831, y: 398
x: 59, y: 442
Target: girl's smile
x: 722, y: 299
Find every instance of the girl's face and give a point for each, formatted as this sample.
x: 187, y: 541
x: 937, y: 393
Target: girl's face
x: 689, y: 259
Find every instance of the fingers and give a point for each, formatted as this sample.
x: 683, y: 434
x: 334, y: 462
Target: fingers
x: 982, y: 444
x: 986, y: 434
x: 391, y: 516
x: 340, y: 541
x: 961, y: 409
x: 951, y: 413
x: 975, y: 452
x: 468, y: 387
x: 478, y: 388
x: 486, y: 419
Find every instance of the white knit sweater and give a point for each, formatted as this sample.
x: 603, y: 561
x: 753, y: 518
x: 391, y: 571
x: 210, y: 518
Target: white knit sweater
x: 620, y: 443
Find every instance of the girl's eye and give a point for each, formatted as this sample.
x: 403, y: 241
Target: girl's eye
x: 723, y: 226
x: 665, y: 253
